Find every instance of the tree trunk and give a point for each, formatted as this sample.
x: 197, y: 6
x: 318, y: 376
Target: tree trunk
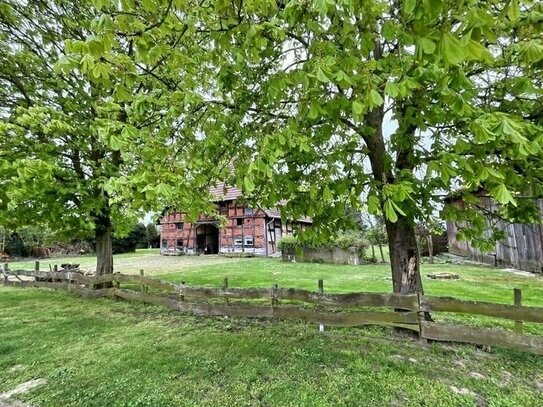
x: 431, y: 248
x: 404, y: 257
x: 373, y: 252
x: 381, y: 252
x: 104, y: 245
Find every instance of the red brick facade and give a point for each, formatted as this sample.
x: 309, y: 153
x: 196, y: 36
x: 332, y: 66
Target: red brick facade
x: 245, y: 230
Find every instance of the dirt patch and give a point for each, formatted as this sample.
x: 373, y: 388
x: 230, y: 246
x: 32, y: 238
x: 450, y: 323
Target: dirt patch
x: 477, y: 375
x: 13, y: 404
x: 20, y: 389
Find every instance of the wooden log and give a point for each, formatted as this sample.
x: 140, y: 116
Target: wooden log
x: 481, y: 336
x: 102, y: 279
x: 145, y: 281
x: 51, y: 275
x: 91, y: 293
x: 409, y: 302
x: 63, y: 286
x: 517, y: 300
x: 146, y: 298
x: 231, y: 293
x: 512, y: 312
x: 408, y: 319
x: 248, y: 311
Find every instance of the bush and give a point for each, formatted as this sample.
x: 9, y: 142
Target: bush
x: 289, y: 244
x: 292, y: 244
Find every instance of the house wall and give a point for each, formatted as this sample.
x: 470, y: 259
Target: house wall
x: 522, y: 247
x: 246, y: 230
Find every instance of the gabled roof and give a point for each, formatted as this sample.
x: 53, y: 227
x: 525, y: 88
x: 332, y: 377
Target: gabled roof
x: 224, y: 192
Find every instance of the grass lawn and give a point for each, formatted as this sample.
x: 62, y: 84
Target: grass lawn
x: 107, y: 353
x: 113, y: 353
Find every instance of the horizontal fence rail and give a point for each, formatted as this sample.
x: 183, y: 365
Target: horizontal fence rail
x: 341, y: 310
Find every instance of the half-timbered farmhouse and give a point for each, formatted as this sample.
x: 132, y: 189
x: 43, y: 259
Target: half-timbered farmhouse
x: 248, y: 229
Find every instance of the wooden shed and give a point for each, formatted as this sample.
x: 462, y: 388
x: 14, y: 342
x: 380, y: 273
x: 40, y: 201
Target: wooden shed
x: 522, y: 247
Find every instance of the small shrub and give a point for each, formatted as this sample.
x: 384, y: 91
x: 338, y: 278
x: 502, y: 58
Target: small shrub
x: 288, y: 244
x: 294, y: 245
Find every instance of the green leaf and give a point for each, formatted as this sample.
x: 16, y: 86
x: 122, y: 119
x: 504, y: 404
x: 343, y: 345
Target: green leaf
x: 373, y: 205
x: 95, y: 46
x: 313, y: 109
x: 502, y: 195
x: 149, y: 5
x: 321, y: 76
x: 101, y: 70
x: 326, y: 194
x: 476, y: 51
x: 122, y: 94
x: 409, y: 6
x: 391, y: 89
x: 451, y: 49
x: 389, y: 211
x: 358, y: 108
x: 375, y: 98
x: 115, y: 143
x: 248, y: 184
x: 388, y: 30
x: 513, y: 11
x: 63, y: 65
x: 427, y: 45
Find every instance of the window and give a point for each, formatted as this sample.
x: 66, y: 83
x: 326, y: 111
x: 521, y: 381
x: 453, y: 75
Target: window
x: 223, y: 206
x: 239, y: 221
x: 179, y: 242
x: 164, y: 243
x: 248, y: 211
x: 249, y: 242
x: 180, y: 225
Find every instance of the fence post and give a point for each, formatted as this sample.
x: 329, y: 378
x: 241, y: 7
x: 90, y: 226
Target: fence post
x: 225, y: 287
x: 421, y: 315
x: 517, y: 296
x: 274, y: 301
x: 143, y: 288
x: 37, y: 266
x: 321, y: 291
x: 182, y: 297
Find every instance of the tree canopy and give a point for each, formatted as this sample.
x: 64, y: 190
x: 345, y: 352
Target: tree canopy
x: 90, y: 124
x: 325, y: 104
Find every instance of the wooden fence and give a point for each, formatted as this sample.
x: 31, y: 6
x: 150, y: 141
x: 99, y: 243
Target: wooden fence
x: 293, y: 304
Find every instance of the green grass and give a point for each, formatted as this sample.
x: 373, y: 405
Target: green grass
x: 369, y: 253
x: 107, y: 353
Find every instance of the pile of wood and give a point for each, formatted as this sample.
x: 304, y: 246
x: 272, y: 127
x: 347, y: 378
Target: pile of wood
x: 64, y: 268
x: 443, y: 276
